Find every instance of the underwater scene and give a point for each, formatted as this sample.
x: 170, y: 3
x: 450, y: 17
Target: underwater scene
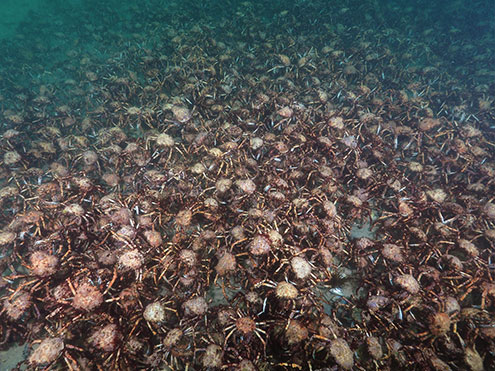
x: 247, y: 185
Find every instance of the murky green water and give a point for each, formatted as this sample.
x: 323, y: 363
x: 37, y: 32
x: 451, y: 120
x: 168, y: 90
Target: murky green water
x: 344, y: 147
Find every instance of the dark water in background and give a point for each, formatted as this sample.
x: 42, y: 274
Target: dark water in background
x: 455, y: 31
x: 459, y: 35
x: 69, y: 52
